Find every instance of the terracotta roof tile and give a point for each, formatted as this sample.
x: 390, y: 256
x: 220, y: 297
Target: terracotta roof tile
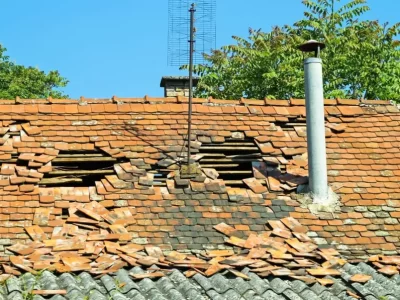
x: 331, y: 102
x: 98, y: 108
x: 348, y: 102
x: 241, y: 110
x: 277, y: 102
x: 256, y: 110
x: 252, y: 102
x: 182, y: 99
x: 269, y: 110
x: 300, y: 102
x: 84, y: 108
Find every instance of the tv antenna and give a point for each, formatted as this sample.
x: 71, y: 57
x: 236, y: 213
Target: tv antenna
x: 184, y: 32
x: 179, y: 30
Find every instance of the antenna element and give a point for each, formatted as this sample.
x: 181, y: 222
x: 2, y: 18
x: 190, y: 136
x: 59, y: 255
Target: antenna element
x: 178, y: 30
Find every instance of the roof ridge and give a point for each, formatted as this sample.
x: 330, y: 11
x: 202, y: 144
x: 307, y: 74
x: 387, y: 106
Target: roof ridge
x: 205, y: 101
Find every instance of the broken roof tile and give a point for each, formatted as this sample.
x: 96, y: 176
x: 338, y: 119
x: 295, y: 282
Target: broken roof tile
x: 350, y: 110
x: 255, y: 185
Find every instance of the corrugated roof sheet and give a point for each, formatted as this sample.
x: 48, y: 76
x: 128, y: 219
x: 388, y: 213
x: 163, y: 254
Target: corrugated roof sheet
x: 175, y: 285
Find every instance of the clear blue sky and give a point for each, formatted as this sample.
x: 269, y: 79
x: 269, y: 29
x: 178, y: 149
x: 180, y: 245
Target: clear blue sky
x: 119, y: 47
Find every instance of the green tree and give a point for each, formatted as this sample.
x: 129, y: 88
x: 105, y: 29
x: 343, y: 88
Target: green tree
x: 28, y: 82
x: 361, y: 59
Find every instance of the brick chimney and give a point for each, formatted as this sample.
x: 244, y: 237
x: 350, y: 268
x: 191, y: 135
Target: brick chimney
x: 176, y: 85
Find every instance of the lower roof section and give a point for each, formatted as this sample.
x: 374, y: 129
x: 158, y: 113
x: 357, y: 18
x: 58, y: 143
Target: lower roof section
x: 175, y: 285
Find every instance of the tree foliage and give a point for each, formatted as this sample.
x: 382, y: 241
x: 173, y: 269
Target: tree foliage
x: 28, y: 82
x: 361, y: 59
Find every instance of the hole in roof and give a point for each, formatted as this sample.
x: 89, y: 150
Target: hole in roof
x: 288, y: 126
x: 233, y: 159
x: 238, y: 158
x: 160, y: 176
x: 80, y: 168
x: 64, y: 212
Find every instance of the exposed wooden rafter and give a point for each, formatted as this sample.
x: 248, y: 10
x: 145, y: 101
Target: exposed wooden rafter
x: 81, y: 172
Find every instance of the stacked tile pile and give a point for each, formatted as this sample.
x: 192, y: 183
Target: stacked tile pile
x: 95, y: 239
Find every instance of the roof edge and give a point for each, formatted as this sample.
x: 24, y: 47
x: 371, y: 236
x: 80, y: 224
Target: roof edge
x: 207, y: 101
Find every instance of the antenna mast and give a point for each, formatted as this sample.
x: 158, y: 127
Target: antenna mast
x: 181, y: 30
x: 191, y: 52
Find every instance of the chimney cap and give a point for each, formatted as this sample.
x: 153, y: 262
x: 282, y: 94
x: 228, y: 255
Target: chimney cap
x: 311, y: 46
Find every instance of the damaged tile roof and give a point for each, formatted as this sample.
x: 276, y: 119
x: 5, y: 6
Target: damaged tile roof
x: 64, y: 161
x: 141, y: 142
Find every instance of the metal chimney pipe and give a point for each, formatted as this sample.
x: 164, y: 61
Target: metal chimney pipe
x: 316, y: 146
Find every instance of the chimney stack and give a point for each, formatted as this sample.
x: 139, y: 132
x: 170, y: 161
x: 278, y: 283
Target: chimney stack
x: 316, y: 146
x: 176, y: 85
